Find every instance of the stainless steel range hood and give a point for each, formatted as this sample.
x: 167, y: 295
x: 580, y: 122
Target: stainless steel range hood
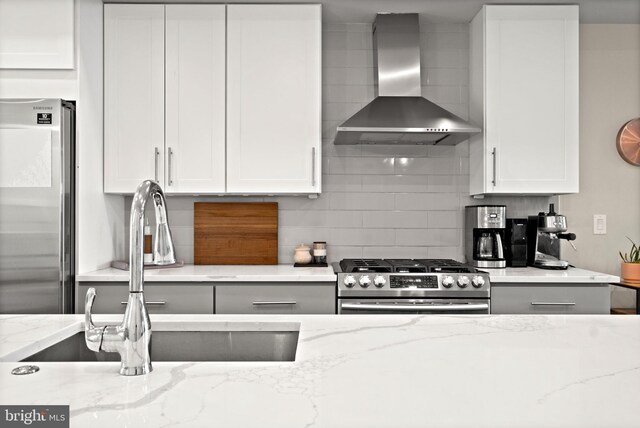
x: 399, y: 114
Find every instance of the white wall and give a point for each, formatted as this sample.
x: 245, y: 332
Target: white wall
x: 609, y: 96
x: 100, y: 222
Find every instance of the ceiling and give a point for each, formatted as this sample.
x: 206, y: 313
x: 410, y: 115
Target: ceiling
x: 444, y: 11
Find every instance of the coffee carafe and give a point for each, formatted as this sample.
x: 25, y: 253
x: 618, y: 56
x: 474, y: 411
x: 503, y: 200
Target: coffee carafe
x: 544, y: 233
x: 484, y: 235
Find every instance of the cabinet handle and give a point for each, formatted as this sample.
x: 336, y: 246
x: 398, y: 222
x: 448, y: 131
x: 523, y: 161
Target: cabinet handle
x: 494, y: 154
x: 169, y: 172
x: 313, y: 166
x: 152, y: 303
x: 284, y: 302
x: 553, y: 304
x: 156, y: 154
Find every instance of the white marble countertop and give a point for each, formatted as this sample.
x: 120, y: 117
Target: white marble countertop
x: 287, y: 273
x: 356, y: 371
x: 219, y: 273
x: 532, y: 275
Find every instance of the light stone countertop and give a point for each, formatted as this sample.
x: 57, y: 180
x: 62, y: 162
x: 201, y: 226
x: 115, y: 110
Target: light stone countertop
x: 219, y: 273
x: 287, y: 273
x: 355, y: 371
x: 532, y: 275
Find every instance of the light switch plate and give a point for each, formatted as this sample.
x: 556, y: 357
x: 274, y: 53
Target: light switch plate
x: 599, y: 224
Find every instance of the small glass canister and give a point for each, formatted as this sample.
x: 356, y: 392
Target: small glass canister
x: 320, y: 252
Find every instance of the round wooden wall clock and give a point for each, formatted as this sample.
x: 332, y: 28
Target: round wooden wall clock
x: 628, y: 142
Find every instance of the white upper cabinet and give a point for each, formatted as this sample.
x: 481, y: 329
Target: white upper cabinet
x: 133, y: 95
x: 195, y: 99
x: 37, y: 34
x: 213, y: 99
x: 273, y: 98
x: 524, y: 92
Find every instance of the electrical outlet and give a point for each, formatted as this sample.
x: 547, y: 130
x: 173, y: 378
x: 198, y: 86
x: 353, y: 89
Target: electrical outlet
x: 599, y: 224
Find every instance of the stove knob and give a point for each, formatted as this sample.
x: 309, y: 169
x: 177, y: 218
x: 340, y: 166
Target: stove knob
x: 477, y: 281
x: 447, y: 281
x: 365, y: 281
x: 349, y: 281
x: 463, y: 281
x: 379, y: 281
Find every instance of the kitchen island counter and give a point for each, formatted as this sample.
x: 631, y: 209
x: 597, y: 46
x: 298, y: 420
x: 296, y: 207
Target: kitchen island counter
x: 354, y: 371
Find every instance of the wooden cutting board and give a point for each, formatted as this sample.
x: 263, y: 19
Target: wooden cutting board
x: 235, y: 233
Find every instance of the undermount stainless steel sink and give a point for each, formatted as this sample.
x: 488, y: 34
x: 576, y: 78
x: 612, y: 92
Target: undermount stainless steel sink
x: 187, y: 346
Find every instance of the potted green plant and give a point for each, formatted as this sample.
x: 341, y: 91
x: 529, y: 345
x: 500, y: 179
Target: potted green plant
x: 630, y: 266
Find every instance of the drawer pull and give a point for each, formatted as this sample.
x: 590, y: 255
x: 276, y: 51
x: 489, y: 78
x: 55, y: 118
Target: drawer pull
x: 287, y: 302
x: 152, y: 303
x: 553, y: 304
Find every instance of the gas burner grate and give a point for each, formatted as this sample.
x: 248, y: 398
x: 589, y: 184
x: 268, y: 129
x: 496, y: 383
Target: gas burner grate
x: 365, y: 265
x: 406, y: 265
x: 446, y: 265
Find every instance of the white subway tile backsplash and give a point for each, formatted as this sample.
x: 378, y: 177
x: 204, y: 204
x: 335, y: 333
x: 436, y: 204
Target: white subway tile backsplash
x: 320, y: 218
x: 348, y: 58
x: 427, y: 237
x: 182, y: 218
x: 396, y: 252
x: 302, y: 203
x: 449, y: 94
x: 361, y: 165
x: 361, y: 201
x: 378, y: 200
x: 394, y: 151
x: 432, y: 76
x: 427, y: 201
x: 341, y: 183
x: 330, y: 150
x: 394, y: 219
x: 442, y: 151
x: 395, y: 183
x: 443, y: 183
x: 292, y: 236
x: 455, y: 253
x: 444, y: 219
x: 442, y: 41
x: 443, y: 59
x: 362, y: 237
x: 427, y: 166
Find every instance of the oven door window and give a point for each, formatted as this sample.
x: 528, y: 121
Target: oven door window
x: 413, y: 306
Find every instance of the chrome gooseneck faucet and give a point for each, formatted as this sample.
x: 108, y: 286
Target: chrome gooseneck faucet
x: 132, y: 337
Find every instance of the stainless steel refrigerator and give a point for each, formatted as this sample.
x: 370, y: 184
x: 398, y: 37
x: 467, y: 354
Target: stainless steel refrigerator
x: 37, y: 206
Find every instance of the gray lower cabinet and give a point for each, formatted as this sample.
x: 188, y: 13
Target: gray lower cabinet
x: 161, y: 298
x: 550, y: 299
x: 277, y: 298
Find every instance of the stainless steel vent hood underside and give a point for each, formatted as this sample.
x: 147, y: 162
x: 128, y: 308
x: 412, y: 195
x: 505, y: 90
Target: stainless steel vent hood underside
x: 399, y: 114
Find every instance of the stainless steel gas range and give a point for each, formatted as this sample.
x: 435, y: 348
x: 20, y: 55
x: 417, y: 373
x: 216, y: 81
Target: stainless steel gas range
x: 417, y: 286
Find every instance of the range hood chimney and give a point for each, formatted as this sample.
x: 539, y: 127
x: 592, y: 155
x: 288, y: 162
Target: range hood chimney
x: 399, y: 114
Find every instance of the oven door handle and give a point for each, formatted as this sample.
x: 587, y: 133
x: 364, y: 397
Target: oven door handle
x: 461, y: 307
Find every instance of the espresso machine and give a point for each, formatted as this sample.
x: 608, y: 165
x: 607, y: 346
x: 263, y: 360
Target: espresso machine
x: 485, y: 227
x: 544, y: 233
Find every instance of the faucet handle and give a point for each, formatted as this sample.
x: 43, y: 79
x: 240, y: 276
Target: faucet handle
x: 92, y: 334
